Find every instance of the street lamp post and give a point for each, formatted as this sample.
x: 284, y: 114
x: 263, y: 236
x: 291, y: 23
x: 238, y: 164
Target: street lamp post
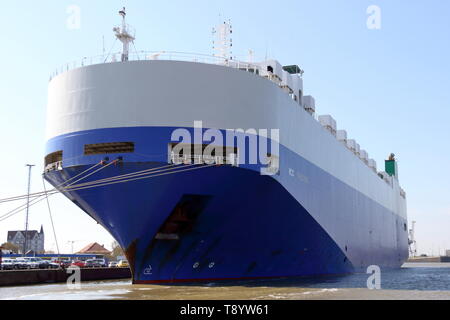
x: 28, y: 207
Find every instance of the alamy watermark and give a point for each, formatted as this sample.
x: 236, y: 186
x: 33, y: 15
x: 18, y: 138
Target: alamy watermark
x: 374, y: 280
x: 73, y: 21
x: 237, y: 146
x: 374, y: 19
x: 74, y: 278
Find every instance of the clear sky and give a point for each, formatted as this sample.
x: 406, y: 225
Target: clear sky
x: 388, y: 87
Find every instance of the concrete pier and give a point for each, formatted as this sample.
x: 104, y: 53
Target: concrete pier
x: 429, y: 259
x: 27, y: 277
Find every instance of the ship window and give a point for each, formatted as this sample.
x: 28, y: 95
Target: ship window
x: 194, y: 149
x: 53, y: 157
x: 181, y: 151
x: 110, y: 147
x: 270, y: 69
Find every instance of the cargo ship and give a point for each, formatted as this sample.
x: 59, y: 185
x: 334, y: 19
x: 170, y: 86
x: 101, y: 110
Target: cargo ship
x: 136, y: 141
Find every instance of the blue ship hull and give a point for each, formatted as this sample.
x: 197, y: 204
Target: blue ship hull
x: 237, y: 223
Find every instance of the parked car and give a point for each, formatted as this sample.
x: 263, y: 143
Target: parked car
x: 78, y: 263
x: 112, y: 264
x: 95, y: 263
x: 63, y: 263
x: 47, y: 264
x: 26, y: 263
x: 42, y: 264
x: 53, y: 265
x: 18, y: 263
x: 7, y: 264
x: 103, y: 262
x: 123, y: 264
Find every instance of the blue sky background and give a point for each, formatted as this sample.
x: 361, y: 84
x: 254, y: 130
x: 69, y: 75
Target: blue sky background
x: 388, y: 88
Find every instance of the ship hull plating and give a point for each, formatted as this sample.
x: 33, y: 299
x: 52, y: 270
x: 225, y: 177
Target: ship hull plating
x: 235, y: 223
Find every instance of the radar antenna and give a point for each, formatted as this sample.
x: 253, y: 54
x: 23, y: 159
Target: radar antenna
x: 125, y: 34
x: 251, y: 55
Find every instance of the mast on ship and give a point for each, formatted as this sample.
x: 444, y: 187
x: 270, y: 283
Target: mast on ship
x: 222, y: 41
x: 125, y: 35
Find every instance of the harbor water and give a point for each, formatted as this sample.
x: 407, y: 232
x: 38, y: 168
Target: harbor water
x: 412, y: 281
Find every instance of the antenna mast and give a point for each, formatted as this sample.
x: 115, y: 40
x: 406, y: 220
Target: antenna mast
x: 222, y: 41
x: 125, y: 34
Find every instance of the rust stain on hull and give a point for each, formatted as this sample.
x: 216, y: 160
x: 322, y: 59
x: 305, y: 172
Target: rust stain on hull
x: 130, y: 253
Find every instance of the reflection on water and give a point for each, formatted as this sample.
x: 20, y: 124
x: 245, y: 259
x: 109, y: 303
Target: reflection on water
x: 413, y: 281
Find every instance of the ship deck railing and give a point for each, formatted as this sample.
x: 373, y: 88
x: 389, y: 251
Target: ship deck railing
x: 157, y: 55
x: 53, y: 166
x: 204, y: 159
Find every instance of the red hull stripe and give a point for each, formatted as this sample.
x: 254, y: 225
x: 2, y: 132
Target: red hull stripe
x: 222, y: 279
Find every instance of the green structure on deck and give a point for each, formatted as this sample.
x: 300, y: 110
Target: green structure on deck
x: 389, y: 166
